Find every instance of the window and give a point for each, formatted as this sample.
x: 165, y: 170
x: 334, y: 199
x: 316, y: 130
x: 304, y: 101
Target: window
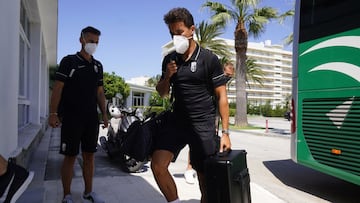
x: 138, y: 99
x: 321, y: 18
x: 24, y: 49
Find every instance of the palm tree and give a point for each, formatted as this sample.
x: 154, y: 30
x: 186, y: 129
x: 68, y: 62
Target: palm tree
x: 224, y: 60
x: 253, y: 72
x: 207, y: 35
x: 290, y: 13
x: 250, y: 20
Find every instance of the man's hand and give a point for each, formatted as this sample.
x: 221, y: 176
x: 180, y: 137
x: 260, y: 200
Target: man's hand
x: 54, y: 120
x: 106, y: 121
x: 171, y: 69
x: 225, y: 143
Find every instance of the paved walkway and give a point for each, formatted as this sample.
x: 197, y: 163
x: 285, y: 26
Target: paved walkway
x: 109, y: 181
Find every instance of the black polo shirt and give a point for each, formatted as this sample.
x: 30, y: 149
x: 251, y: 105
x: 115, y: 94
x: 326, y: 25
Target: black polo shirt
x: 81, y: 81
x: 194, y: 84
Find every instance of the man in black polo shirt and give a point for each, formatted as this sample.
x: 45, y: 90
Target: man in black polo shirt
x: 197, y: 78
x: 77, y: 92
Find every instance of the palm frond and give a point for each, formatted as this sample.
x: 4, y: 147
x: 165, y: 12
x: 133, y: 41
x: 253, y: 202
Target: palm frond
x: 207, y: 36
x: 283, y: 16
x: 253, y: 72
x: 221, y: 13
x: 267, y: 12
x: 289, y: 39
x: 257, y: 21
x: 224, y: 60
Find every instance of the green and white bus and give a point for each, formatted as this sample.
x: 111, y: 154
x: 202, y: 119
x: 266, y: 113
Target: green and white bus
x: 325, y: 126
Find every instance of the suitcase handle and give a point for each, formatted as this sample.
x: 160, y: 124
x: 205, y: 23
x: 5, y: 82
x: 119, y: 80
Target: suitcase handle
x: 223, y: 153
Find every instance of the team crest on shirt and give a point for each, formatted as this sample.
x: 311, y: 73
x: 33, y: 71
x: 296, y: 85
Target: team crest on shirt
x: 63, y: 147
x: 96, y: 68
x: 193, y: 66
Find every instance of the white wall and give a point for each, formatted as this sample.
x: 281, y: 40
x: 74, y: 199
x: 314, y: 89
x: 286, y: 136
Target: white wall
x: 42, y: 18
x: 9, y: 74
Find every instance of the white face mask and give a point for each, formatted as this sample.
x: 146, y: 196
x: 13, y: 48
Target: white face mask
x: 90, y: 48
x: 181, y: 43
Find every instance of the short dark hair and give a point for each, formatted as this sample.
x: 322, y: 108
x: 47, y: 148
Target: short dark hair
x: 179, y: 15
x: 91, y: 30
x: 228, y: 63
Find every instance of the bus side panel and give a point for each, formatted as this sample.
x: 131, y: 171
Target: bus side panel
x: 326, y: 87
x: 328, y: 132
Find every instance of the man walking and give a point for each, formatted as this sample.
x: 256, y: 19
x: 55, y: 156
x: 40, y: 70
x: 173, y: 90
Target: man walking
x: 196, y: 78
x: 77, y: 92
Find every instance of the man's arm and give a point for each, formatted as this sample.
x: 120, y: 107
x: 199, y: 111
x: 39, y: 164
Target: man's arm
x: 54, y: 104
x: 101, y: 102
x: 163, y: 86
x: 223, y: 106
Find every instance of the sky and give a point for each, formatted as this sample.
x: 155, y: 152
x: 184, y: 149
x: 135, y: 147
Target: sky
x: 133, y: 32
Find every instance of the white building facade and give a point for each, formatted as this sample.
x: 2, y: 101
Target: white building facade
x: 29, y: 47
x: 276, y: 64
x: 140, y: 95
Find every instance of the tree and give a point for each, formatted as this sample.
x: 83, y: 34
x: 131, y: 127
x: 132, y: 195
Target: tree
x: 207, y: 35
x: 156, y: 99
x: 151, y: 82
x: 114, y: 84
x: 253, y: 72
x: 250, y: 20
x: 290, y: 13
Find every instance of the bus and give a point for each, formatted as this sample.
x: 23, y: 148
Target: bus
x: 325, y: 106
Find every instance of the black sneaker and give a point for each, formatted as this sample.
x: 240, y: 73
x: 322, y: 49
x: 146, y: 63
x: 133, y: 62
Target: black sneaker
x: 15, y: 182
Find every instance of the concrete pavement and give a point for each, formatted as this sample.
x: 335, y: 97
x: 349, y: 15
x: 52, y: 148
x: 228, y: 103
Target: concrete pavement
x: 113, y: 184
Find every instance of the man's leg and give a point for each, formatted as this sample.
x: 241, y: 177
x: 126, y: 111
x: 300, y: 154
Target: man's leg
x: 3, y: 165
x: 67, y: 172
x: 88, y: 171
x: 202, y: 185
x: 88, y: 174
x: 160, y: 161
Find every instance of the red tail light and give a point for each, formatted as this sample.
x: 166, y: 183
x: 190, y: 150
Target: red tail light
x: 293, y: 116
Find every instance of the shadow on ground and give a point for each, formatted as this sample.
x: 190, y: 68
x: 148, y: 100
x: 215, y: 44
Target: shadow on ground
x: 313, y: 182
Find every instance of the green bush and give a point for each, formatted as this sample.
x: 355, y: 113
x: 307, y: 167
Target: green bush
x: 232, y: 112
x: 150, y: 109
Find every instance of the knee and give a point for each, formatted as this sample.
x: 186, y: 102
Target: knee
x: 69, y: 159
x: 157, y: 168
x: 88, y: 155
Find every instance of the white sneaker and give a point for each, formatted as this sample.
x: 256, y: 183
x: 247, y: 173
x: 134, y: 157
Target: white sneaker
x: 67, y: 199
x: 190, y: 176
x: 92, y: 197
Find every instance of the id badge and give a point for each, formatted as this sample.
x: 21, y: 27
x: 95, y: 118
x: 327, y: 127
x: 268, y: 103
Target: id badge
x: 193, y: 66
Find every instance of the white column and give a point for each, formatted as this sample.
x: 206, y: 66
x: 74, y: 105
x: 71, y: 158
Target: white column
x: 147, y: 96
x: 44, y: 85
x: 129, y: 99
x: 9, y: 75
x: 34, y: 73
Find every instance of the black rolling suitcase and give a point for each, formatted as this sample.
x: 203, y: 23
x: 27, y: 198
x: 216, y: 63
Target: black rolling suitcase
x: 227, y: 178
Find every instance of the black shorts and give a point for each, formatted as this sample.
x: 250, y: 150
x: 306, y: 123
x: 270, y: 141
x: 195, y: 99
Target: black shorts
x: 199, y: 136
x: 75, y: 132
